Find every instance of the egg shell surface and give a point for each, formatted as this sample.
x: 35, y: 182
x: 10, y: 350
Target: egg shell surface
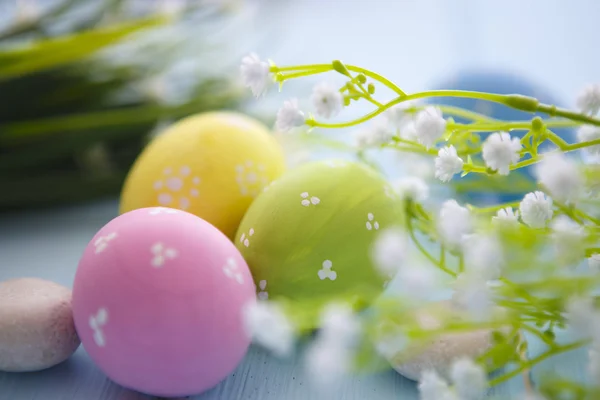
x: 308, y: 237
x: 211, y: 164
x: 157, y: 302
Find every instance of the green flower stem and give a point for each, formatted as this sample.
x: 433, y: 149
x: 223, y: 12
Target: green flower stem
x: 461, y: 112
x: 528, y: 364
x: 540, y: 335
x: 491, y: 127
x: 329, y: 67
x: 493, y: 209
x: 560, y: 112
x: 424, y: 251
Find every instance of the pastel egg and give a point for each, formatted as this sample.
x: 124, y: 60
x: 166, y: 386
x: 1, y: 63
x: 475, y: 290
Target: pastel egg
x: 307, y: 238
x: 212, y: 165
x: 36, y: 325
x: 157, y: 302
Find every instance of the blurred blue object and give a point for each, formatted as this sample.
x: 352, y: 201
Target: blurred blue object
x: 502, y: 83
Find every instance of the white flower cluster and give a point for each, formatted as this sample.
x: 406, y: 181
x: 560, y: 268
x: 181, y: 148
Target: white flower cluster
x: 584, y: 319
x: 266, y: 324
x: 330, y: 356
x: 588, y: 100
x: 469, y: 383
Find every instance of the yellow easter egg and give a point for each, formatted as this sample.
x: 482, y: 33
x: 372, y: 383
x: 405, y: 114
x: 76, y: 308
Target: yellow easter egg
x: 212, y: 165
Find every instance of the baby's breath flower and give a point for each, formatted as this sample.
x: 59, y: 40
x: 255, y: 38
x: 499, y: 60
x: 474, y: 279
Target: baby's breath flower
x: 500, y: 151
x: 430, y: 125
x: 470, y: 379
x: 327, y: 100
x: 506, y: 217
x: 594, y: 364
x: 432, y: 386
x: 266, y: 324
x: 327, y: 362
x: 330, y: 356
x: 582, y: 316
x: 339, y: 323
x: 588, y: 100
x: 454, y: 222
x: 256, y: 74
x: 587, y: 133
x: 447, y: 163
x: 560, y: 176
x: 472, y: 294
x: 594, y: 262
x: 412, y: 188
x: 397, y: 117
x: 409, y: 132
x: 418, y: 282
x: 536, y: 209
x: 389, y: 251
x: 289, y: 116
x: 484, y: 255
x: 375, y: 135
x: 568, y: 238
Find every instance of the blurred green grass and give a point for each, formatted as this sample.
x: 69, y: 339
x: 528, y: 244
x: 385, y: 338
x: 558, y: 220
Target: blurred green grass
x: 72, y: 121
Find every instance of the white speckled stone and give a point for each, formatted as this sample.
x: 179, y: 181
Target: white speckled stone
x: 36, y: 325
x: 442, y: 351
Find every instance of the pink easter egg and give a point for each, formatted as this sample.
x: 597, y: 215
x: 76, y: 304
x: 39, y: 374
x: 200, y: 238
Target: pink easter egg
x: 158, y: 299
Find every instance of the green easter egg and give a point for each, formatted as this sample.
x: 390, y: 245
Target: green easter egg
x: 308, y: 237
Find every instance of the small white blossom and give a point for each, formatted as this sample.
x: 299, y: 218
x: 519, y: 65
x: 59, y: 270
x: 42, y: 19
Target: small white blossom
x: 500, y: 152
x: 432, y: 387
x: 568, y: 238
x: 454, y: 222
x: 587, y: 133
x: 330, y: 356
x: 506, y: 217
x: 472, y: 294
x: 412, y: 188
x: 470, y: 379
x: 447, y: 163
x: 588, y: 100
x: 266, y: 324
x: 389, y: 251
x: 256, y: 74
x: 327, y: 362
x: 560, y: 176
x: 397, y: 117
x: 418, y: 282
x: 327, y: 100
x: 536, y: 209
x: 594, y: 364
x: 582, y: 316
x: 391, y: 344
x: 430, y: 125
x: 409, y: 132
x: 484, y: 255
x: 340, y: 324
x: 414, y: 164
x: 289, y: 116
x: 594, y: 262
x: 376, y: 134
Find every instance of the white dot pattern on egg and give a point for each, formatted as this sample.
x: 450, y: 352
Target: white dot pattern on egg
x: 371, y: 223
x: 245, y: 239
x: 170, y: 188
x: 326, y: 272
x: 251, y: 178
